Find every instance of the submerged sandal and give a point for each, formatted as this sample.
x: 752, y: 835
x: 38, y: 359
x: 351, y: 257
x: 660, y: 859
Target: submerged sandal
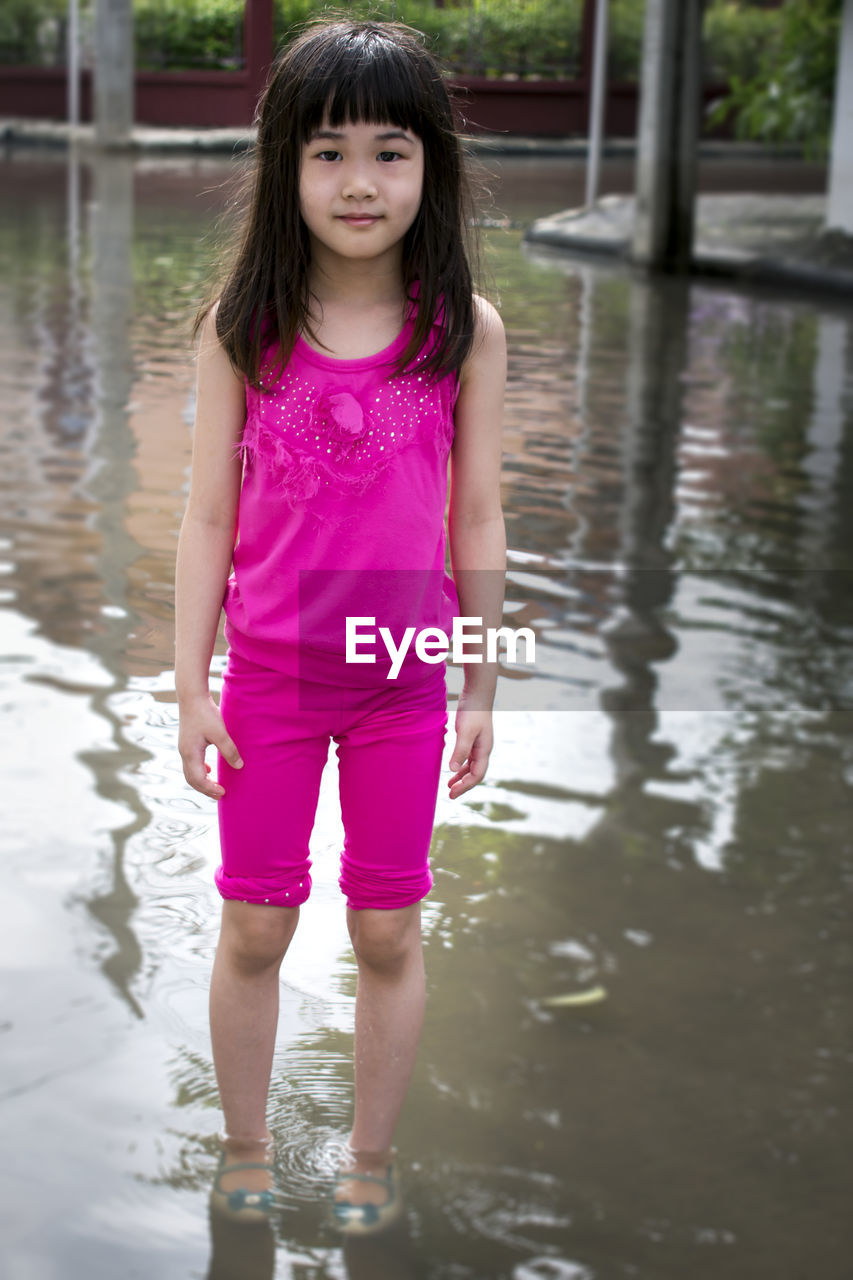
x: 241, y: 1204
x: 365, y: 1219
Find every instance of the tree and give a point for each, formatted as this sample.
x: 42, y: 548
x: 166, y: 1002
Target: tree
x: 790, y: 98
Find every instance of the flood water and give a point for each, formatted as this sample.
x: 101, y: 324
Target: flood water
x: 666, y: 822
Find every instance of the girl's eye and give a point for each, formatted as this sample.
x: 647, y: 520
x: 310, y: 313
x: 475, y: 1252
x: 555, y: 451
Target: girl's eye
x: 324, y: 155
x: 385, y: 155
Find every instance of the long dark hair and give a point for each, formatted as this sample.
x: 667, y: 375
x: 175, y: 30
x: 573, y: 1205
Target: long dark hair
x: 357, y: 72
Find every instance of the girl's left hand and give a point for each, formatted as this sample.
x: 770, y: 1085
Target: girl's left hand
x: 474, y: 741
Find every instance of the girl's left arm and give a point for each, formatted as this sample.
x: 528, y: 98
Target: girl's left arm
x: 477, y: 536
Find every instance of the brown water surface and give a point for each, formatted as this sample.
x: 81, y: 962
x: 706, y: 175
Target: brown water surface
x: 666, y: 820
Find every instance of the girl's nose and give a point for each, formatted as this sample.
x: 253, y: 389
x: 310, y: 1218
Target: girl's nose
x: 358, y: 184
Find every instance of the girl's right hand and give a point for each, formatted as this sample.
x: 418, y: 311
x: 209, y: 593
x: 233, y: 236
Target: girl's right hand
x: 201, y: 726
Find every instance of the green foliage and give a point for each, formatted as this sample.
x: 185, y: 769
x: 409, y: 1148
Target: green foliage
x: 535, y: 38
x: 480, y: 38
x: 485, y: 37
x: 289, y: 15
x: 625, y: 42
x: 789, y: 96
x: 32, y: 31
x: 186, y: 34
x: 736, y: 33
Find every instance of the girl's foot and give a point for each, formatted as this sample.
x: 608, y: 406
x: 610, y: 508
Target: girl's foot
x: 244, y: 1185
x: 366, y: 1193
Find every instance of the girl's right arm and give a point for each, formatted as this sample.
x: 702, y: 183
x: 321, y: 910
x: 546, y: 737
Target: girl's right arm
x: 205, y: 548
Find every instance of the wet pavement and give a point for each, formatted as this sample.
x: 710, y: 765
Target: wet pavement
x: 665, y: 830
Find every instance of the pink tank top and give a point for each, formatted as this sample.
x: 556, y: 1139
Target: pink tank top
x: 341, y: 513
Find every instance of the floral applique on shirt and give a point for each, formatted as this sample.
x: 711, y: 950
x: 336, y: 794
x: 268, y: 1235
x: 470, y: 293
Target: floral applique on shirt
x: 312, y: 435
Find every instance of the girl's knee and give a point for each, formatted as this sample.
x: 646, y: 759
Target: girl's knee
x: 257, y: 936
x: 385, y: 940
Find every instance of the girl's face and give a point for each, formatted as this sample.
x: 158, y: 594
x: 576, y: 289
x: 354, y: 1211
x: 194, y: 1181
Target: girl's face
x: 360, y: 188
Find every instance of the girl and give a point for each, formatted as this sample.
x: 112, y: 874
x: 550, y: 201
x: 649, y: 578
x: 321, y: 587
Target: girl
x: 344, y: 360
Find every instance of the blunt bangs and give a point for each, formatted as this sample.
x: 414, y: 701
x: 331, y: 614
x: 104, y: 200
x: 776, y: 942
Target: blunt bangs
x: 367, y: 79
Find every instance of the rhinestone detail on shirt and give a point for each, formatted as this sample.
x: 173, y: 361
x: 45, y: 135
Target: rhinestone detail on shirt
x: 310, y: 434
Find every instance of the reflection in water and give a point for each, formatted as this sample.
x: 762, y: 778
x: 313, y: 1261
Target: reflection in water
x: 635, y: 635
x: 239, y: 1252
x: 109, y: 486
x: 115, y: 905
x: 666, y: 817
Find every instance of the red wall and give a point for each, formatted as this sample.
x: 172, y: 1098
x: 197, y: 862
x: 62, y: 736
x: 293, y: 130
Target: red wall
x: 534, y: 108
x: 162, y: 97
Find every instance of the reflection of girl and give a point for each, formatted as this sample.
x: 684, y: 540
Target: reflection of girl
x: 344, y: 360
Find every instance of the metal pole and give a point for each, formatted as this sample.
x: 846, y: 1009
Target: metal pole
x: 596, y: 114
x: 73, y: 63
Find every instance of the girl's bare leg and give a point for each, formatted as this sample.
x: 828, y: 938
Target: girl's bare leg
x: 253, y: 940
x: 389, y: 1015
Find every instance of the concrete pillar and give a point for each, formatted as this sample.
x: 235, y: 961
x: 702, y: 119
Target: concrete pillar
x: 668, y: 134
x: 839, y: 211
x: 114, y: 72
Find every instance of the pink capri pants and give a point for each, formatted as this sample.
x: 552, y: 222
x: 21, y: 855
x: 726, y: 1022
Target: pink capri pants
x: 390, y: 743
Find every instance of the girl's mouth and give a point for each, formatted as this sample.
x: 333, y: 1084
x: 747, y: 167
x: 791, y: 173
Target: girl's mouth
x: 360, y: 219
